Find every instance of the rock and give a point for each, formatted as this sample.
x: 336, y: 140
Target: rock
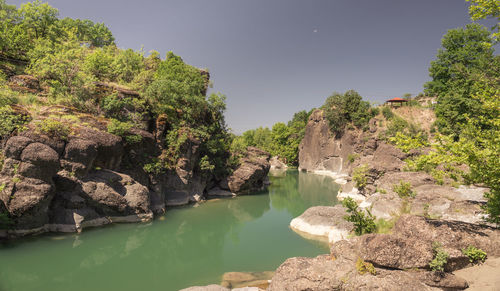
x: 323, y: 223
x: 109, y: 148
x: 218, y: 192
x: 387, y: 158
x: 24, y: 83
x: 329, y: 273
x: 39, y: 161
x: 28, y: 202
x: 15, y: 145
x: 395, y: 252
x: 246, y: 279
x: 320, y: 150
x: 79, y: 155
x: 115, y: 194
x: 251, y: 173
x: 276, y: 164
x: 206, y: 288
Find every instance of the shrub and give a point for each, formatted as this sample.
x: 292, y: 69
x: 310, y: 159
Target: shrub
x: 474, y: 254
x: 407, y: 142
x: 440, y: 258
x: 363, y: 222
x: 387, y: 112
x: 359, y: 176
x: 5, y: 221
x: 404, y: 190
x: 365, y: 267
x: 10, y: 121
x: 122, y: 129
x: 352, y: 157
x: 53, y: 128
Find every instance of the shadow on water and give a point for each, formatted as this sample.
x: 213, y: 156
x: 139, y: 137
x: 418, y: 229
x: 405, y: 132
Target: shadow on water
x: 188, y: 246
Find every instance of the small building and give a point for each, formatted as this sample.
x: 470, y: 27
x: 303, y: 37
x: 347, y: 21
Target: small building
x: 395, y: 101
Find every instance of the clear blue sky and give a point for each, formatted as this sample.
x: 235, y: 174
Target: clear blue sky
x: 275, y: 57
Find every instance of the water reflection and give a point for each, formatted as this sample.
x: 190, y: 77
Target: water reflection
x: 296, y: 191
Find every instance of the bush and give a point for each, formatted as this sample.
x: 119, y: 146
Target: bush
x: 404, y: 190
x: 474, y: 254
x: 10, y: 121
x: 365, y: 267
x: 440, y: 258
x: 359, y: 176
x: 53, y: 128
x: 363, y: 223
x: 407, y: 142
x: 352, y: 157
x: 122, y: 129
x: 387, y: 112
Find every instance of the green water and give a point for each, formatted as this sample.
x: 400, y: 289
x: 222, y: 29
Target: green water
x: 188, y: 246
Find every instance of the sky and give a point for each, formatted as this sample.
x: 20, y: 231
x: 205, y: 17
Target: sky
x: 272, y: 58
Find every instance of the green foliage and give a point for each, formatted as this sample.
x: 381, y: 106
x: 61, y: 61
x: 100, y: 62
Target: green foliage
x: 359, y: 176
x: 10, y: 121
x: 474, y: 254
x: 465, y: 53
x: 407, y: 143
x: 387, y: 112
x: 403, y: 189
x: 363, y: 222
x: 282, y: 140
x: 482, y: 9
x: 122, y: 129
x: 53, y: 128
x: 352, y: 157
x: 440, y: 258
x: 364, y: 267
x: 155, y: 167
x: 348, y: 108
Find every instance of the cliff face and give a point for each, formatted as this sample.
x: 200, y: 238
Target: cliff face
x: 320, y: 151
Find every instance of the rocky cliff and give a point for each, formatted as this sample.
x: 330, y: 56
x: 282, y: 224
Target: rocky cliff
x: 64, y: 182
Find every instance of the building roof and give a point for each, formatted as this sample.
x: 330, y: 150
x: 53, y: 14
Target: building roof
x: 397, y: 99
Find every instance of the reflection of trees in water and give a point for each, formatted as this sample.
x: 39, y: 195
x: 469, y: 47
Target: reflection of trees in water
x: 186, y: 247
x: 298, y: 191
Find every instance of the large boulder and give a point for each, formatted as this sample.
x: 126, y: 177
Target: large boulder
x: 251, y: 173
x: 323, y: 223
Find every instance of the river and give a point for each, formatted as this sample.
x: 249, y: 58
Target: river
x: 188, y: 246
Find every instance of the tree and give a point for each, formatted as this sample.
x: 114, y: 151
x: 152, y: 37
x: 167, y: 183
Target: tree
x: 342, y: 109
x: 482, y: 9
x: 38, y: 18
x: 464, y: 52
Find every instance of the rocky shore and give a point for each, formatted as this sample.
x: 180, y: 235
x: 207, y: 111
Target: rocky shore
x: 89, y: 177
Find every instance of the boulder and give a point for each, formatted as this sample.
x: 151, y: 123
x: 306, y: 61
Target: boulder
x: 331, y: 273
x: 250, y: 174
x: 323, y: 223
x: 79, y: 155
x: 276, y: 164
x: 206, y: 288
x: 109, y: 148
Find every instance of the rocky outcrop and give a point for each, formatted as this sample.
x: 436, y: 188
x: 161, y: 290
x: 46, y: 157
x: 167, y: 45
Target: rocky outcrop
x: 323, y: 223
x: 320, y: 150
x: 400, y: 259
x: 276, y: 164
x: 91, y: 178
x: 250, y: 174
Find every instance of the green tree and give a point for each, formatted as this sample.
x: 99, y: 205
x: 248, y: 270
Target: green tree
x: 342, y: 109
x: 38, y: 18
x: 482, y: 9
x: 464, y: 52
